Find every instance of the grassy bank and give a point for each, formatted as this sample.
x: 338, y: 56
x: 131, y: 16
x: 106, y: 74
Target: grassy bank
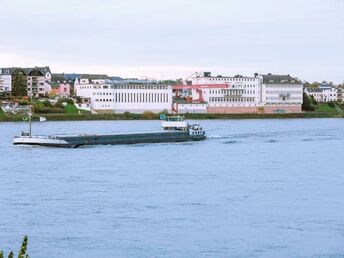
x: 79, y: 117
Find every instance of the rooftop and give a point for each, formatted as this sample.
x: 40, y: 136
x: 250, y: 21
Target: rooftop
x: 279, y: 79
x: 94, y: 76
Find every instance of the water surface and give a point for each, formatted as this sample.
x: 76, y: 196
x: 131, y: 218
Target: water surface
x: 255, y: 188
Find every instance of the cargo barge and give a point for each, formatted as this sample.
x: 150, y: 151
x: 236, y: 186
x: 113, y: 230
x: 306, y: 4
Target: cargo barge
x: 175, y: 129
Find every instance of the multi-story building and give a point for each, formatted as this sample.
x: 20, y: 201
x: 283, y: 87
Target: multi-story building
x: 6, y: 81
x: 326, y: 92
x: 281, y: 93
x: 37, y: 80
x: 106, y: 96
x: 241, y: 94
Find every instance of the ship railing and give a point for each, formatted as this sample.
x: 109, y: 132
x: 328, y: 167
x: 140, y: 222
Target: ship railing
x: 174, y: 118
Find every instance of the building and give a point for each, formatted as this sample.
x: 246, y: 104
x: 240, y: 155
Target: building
x: 60, y: 85
x: 340, y: 96
x: 240, y: 94
x: 6, y: 81
x: 326, y: 92
x: 108, y: 97
x: 37, y: 80
x: 226, y: 94
x: 281, y: 94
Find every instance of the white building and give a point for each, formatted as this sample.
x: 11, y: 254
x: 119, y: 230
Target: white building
x: 281, y: 93
x: 324, y: 93
x: 120, y: 98
x: 5, y: 80
x: 242, y: 94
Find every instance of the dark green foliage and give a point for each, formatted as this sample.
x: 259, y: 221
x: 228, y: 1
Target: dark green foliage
x: 70, y: 101
x: 46, y: 107
x: 331, y: 104
x: 22, y: 252
x: 24, y: 102
x: 127, y: 114
x: 19, y: 86
x: 313, y: 101
x: 47, y: 103
x: 23, y: 248
x: 59, y: 104
x: 308, y: 103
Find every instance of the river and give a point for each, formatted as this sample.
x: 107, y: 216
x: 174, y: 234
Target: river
x: 254, y: 188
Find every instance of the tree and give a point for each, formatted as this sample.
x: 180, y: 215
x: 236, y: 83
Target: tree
x: 307, y: 85
x: 313, y: 100
x: 315, y: 85
x: 19, y: 86
x: 307, y: 104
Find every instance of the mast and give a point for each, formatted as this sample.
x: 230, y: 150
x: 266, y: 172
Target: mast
x: 30, y: 124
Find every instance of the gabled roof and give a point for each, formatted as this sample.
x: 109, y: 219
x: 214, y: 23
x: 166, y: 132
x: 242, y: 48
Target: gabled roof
x: 314, y: 90
x: 30, y: 71
x: 279, y: 79
x: 42, y: 70
x: 8, y: 71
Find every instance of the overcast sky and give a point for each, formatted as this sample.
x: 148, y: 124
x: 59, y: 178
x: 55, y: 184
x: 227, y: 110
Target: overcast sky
x: 174, y: 38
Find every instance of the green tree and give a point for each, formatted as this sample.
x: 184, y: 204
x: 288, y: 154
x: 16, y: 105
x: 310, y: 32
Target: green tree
x: 315, y: 85
x: 307, y: 85
x: 307, y: 104
x: 313, y: 100
x: 19, y: 86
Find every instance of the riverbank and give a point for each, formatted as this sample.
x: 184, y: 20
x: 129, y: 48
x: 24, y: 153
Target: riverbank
x: 80, y: 117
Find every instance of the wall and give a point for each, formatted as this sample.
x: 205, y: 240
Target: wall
x: 283, y: 109
x: 5, y: 83
x: 127, y: 98
x: 232, y: 110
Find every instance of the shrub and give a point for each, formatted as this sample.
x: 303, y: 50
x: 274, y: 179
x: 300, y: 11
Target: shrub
x: 23, y: 102
x: 38, y: 106
x: 70, y: 101
x: 331, y: 104
x: 59, y: 104
x: 47, y: 103
x: 165, y: 112
x: 127, y: 114
x: 148, y: 115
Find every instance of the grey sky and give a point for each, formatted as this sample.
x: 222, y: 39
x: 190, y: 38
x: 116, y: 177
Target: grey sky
x: 174, y: 38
